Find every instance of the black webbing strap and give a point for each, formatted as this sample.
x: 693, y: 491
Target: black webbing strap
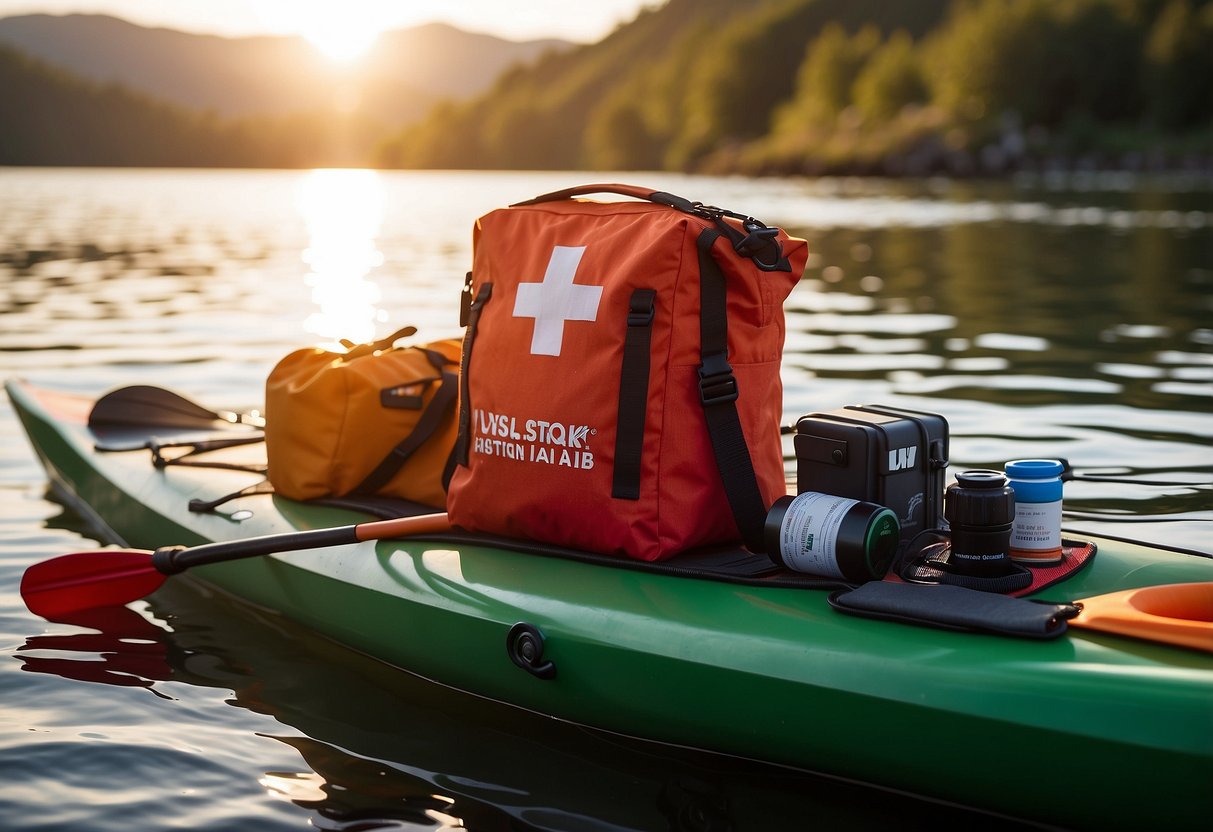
x: 718, y: 393
x: 464, y: 440
x: 200, y: 506
x: 432, y: 417
x: 931, y: 563
x: 633, y: 394
x: 162, y: 460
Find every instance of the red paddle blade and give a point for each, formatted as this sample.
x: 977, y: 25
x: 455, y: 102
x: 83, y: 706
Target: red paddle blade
x: 86, y: 580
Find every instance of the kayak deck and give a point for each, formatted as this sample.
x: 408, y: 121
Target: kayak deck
x: 763, y: 671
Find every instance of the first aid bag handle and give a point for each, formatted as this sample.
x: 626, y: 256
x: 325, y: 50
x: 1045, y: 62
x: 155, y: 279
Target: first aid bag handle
x: 687, y: 206
x: 756, y: 240
x: 635, y: 191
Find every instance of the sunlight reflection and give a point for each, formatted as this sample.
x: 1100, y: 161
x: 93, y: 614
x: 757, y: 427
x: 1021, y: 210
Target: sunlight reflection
x: 343, y: 210
x: 298, y: 787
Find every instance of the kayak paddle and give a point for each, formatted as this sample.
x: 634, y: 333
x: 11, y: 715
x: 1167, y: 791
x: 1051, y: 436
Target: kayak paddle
x: 112, y: 577
x: 1178, y: 614
x: 142, y: 405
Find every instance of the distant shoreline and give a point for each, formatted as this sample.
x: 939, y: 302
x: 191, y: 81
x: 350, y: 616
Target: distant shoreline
x: 1190, y: 171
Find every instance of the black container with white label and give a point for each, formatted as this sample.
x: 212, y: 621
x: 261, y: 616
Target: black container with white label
x: 831, y: 536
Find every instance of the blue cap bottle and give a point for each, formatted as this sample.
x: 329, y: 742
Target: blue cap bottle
x: 1036, y: 532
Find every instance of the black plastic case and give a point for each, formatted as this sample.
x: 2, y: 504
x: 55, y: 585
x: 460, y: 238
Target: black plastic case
x: 889, y: 456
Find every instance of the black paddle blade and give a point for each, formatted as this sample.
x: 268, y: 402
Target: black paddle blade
x: 86, y: 580
x: 143, y: 405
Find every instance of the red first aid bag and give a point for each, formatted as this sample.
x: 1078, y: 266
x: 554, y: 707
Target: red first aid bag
x: 620, y: 387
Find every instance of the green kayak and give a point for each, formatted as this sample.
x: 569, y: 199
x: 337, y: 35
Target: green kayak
x: 1088, y: 729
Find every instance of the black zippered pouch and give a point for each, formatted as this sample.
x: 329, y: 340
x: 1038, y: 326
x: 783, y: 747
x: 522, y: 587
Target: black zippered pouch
x: 954, y: 608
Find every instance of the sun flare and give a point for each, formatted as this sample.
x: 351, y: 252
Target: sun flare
x: 342, y: 37
x: 343, y: 32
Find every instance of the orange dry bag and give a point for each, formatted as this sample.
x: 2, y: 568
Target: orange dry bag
x: 620, y: 388
x: 377, y: 420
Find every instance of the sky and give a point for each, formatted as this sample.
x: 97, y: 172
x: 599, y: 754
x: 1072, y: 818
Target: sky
x: 577, y: 20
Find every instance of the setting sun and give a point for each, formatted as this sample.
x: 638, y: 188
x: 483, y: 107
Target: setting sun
x: 343, y: 33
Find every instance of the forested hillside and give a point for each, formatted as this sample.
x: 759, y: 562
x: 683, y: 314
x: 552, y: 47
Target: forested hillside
x: 851, y: 85
x: 49, y: 115
x: 96, y: 90
x: 53, y: 118
x: 403, y: 74
x: 751, y: 86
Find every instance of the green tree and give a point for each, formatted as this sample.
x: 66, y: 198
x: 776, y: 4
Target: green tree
x: 832, y: 65
x: 990, y: 57
x: 738, y: 78
x: 891, y: 80
x: 634, y: 124
x: 1177, y: 78
x: 1048, y: 61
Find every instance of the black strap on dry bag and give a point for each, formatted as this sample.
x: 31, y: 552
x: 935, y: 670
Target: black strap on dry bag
x: 431, y: 420
x: 718, y: 394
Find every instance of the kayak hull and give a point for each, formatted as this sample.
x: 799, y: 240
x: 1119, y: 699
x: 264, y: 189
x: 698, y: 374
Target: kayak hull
x: 1083, y: 730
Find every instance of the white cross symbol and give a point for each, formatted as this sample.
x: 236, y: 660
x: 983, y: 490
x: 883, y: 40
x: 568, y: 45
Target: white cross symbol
x: 556, y: 300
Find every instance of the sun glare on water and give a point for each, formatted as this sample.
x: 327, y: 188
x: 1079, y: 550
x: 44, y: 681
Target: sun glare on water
x: 343, y: 211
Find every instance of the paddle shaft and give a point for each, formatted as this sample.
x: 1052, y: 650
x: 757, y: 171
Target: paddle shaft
x: 174, y: 559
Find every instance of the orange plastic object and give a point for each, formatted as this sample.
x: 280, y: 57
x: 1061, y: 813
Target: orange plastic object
x: 1180, y: 614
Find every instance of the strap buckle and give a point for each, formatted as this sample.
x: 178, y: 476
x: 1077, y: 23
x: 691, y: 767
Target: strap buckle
x: 641, y: 307
x: 717, y: 384
x: 759, y: 241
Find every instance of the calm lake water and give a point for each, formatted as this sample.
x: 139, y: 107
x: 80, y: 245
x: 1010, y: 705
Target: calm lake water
x: 1067, y: 316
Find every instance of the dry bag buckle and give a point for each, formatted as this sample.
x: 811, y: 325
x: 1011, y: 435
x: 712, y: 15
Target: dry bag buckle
x: 716, y: 382
x: 641, y: 307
